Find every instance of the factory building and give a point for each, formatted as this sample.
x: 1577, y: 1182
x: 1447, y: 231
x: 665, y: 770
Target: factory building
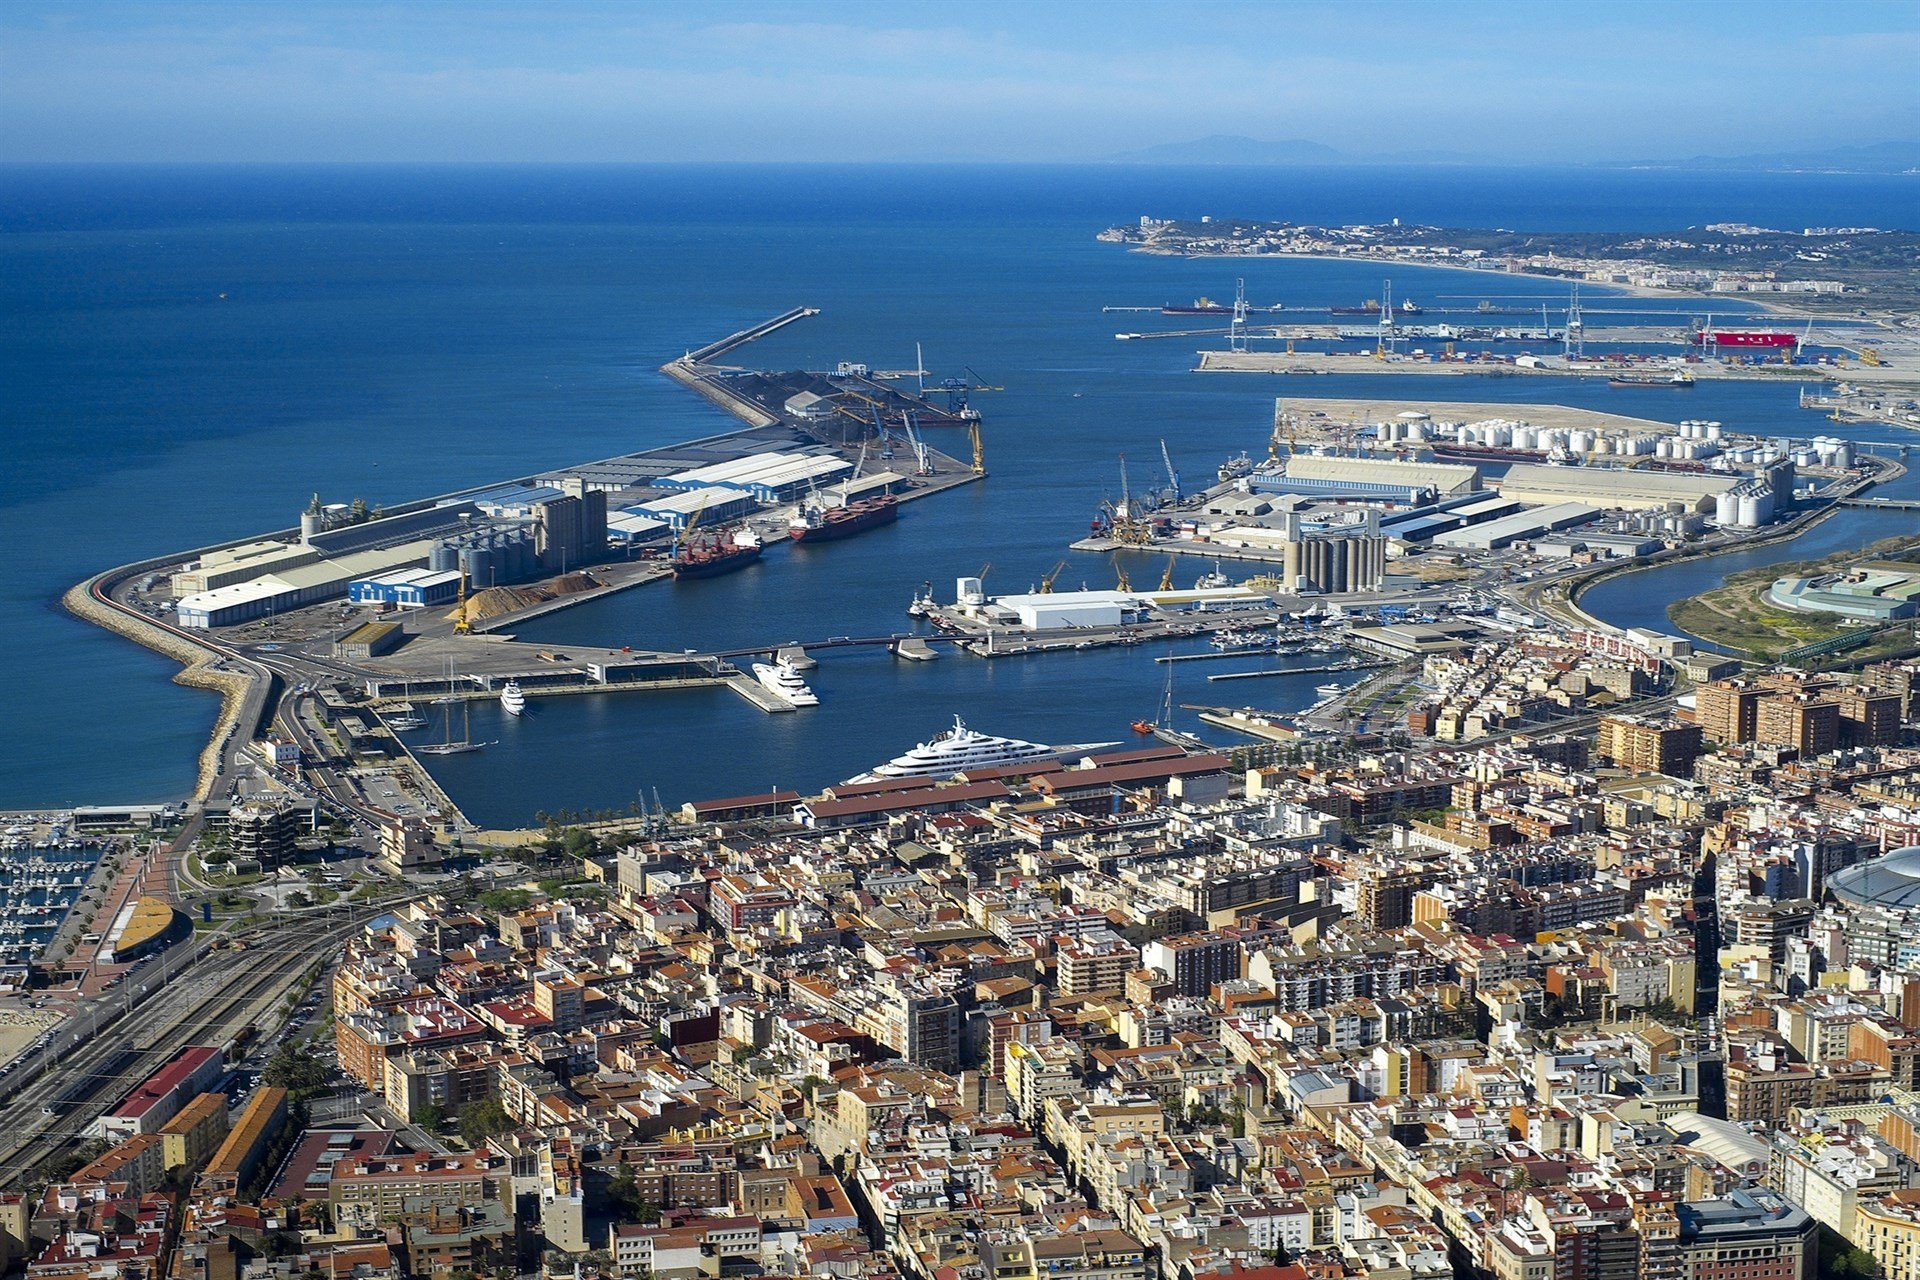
x: 1494, y: 535
x: 1056, y: 610
x: 512, y: 501
x: 1615, y: 488
x: 293, y: 588
x: 330, y: 534
x: 774, y: 477
x: 632, y: 528
x: 1447, y: 479
x: 230, y: 565
x: 406, y: 588
x: 714, y: 506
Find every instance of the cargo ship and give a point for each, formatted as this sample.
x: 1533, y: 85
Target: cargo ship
x: 1443, y: 452
x: 814, y: 523
x: 1771, y: 338
x: 1679, y: 377
x: 716, y: 555
x: 1372, y: 308
x: 1208, y: 307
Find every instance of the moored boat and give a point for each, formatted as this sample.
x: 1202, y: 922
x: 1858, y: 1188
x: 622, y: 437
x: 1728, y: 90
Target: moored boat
x: 814, y: 523
x: 784, y: 682
x: 961, y: 748
x: 712, y: 556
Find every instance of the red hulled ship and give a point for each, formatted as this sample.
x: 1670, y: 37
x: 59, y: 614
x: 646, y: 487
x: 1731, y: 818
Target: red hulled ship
x: 823, y: 524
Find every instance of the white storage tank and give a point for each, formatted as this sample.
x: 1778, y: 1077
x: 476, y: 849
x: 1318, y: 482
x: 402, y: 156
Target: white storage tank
x: 1726, y: 508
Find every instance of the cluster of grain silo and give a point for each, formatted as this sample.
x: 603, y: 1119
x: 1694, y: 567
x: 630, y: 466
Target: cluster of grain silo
x: 1403, y: 431
x: 1747, y: 505
x: 489, y: 554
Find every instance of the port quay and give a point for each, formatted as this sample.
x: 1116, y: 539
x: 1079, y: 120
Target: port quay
x: 352, y: 637
x: 262, y: 620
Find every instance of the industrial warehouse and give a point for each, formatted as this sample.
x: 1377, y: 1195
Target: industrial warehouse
x: 551, y: 524
x: 1578, y: 486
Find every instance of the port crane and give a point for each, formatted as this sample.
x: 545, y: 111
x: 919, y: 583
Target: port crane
x: 1126, y: 526
x: 958, y: 389
x: 693, y: 522
x: 1173, y: 477
x: 1046, y: 583
x: 1120, y: 572
x: 923, y: 462
x: 1166, y: 578
x: 461, y: 626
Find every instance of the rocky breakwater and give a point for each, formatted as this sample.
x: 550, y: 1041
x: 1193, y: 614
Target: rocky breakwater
x: 87, y: 601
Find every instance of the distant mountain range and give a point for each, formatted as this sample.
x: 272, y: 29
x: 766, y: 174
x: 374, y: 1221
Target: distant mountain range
x: 1229, y: 149
x: 1873, y: 157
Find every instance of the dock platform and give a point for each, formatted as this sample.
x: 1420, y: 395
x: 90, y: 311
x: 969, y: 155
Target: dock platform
x: 758, y: 694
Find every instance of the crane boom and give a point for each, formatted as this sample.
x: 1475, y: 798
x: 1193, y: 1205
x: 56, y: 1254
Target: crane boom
x: 1173, y: 477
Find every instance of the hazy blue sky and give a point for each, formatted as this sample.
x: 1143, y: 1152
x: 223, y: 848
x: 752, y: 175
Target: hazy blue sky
x: 1037, y: 80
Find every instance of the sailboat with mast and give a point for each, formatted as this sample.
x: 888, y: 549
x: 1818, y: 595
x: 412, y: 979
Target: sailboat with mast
x: 404, y: 718
x: 1146, y: 727
x: 450, y: 745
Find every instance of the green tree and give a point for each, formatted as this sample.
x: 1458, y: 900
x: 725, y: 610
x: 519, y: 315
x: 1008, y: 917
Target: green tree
x: 482, y: 1120
x: 508, y: 900
x: 300, y: 1074
x: 431, y: 1117
x: 624, y: 1191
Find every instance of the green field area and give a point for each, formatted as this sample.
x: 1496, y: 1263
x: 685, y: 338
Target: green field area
x: 1739, y: 616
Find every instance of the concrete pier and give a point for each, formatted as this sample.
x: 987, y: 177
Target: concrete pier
x: 758, y: 694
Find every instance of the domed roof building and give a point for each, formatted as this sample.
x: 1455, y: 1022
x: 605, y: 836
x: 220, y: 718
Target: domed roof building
x: 1891, y: 880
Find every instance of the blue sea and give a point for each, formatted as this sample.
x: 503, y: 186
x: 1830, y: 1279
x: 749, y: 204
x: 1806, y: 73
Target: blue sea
x: 190, y: 353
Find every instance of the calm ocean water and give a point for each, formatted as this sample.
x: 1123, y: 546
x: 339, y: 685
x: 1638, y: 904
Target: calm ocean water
x: 392, y: 332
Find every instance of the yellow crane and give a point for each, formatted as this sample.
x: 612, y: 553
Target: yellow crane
x: 1869, y: 355
x: 693, y: 522
x: 1046, y: 583
x: 461, y: 626
x: 1166, y: 578
x: 979, y: 451
x: 1120, y: 572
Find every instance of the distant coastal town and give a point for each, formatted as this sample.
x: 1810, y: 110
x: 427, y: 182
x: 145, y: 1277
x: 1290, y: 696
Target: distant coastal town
x: 1817, y: 269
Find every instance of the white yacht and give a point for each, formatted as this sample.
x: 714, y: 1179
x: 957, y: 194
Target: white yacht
x: 512, y: 701
x: 961, y: 748
x: 783, y: 680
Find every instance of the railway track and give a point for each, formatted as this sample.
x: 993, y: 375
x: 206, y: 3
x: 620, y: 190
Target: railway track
x: 210, y: 1005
